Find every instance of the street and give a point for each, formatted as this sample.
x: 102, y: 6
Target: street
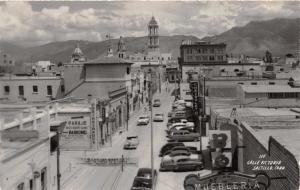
x: 106, y: 178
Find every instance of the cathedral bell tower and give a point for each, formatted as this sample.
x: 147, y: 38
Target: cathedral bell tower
x: 121, y: 48
x: 153, y: 37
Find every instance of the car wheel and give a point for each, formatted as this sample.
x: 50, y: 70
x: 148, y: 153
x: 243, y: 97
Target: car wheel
x: 176, y: 169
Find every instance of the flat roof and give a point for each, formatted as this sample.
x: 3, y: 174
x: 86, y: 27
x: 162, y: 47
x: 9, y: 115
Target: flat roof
x: 282, y: 124
x: 268, y: 88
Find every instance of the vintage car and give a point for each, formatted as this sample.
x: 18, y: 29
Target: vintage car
x: 143, y: 120
x: 182, y: 163
x: 143, y: 179
x: 183, y: 135
x: 156, y: 103
x: 190, y: 149
x: 131, y: 142
x: 158, y: 117
x: 168, y: 147
x: 179, y: 128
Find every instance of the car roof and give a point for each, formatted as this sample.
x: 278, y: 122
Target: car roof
x: 144, y: 170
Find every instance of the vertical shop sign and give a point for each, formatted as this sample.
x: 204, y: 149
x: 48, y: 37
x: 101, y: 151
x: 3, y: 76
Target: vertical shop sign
x: 93, y: 125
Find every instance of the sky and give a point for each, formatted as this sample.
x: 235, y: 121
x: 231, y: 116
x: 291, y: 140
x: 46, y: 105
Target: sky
x: 39, y: 22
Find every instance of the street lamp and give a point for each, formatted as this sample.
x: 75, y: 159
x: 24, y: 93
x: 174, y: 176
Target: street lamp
x: 58, y: 127
x: 151, y: 127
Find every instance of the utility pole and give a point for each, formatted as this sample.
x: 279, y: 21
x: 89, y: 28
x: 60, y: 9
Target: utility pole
x: 57, y: 160
x: 127, y: 107
x: 151, y: 127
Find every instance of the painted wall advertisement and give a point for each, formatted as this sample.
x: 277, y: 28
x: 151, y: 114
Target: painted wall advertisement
x: 76, y: 135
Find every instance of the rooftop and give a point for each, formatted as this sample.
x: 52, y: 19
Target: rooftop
x: 282, y: 124
x: 268, y: 88
x: 108, y: 60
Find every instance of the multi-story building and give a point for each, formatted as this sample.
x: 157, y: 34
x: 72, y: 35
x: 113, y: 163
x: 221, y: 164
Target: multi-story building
x: 199, y: 54
x: 30, y: 88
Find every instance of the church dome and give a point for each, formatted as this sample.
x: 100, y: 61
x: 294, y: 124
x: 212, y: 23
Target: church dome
x: 152, y: 21
x: 77, y: 51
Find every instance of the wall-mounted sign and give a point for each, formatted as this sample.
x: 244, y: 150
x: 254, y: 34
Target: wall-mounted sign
x: 220, y: 146
x: 227, y: 181
x: 76, y: 134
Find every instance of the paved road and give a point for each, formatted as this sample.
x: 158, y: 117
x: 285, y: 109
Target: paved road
x: 104, y: 178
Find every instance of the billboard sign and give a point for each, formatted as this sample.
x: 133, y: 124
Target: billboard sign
x: 227, y: 181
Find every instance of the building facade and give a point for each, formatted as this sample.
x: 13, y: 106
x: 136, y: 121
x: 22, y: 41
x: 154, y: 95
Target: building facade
x: 30, y: 88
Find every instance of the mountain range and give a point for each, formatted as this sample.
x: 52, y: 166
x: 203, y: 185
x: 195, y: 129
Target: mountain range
x: 279, y: 36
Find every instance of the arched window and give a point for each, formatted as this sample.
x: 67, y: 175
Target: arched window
x: 281, y: 69
x: 236, y: 70
x: 223, y: 70
x: 251, y: 69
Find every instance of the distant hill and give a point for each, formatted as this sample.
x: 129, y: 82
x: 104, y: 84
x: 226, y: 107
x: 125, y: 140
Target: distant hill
x: 61, y: 51
x: 280, y: 36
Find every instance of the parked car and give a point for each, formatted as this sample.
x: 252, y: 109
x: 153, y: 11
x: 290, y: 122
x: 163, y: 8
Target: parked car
x: 156, y: 103
x: 168, y: 147
x: 131, y: 142
x: 143, y: 120
x: 190, y: 149
x: 180, y: 128
x: 158, y: 117
x: 179, y: 153
x: 182, y: 163
x: 143, y: 179
x: 183, y: 135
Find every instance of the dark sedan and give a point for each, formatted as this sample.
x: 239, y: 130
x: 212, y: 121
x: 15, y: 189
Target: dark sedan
x: 143, y: 179
x: 183, y: 135
x: 190, y: 149
x: 168, y: 147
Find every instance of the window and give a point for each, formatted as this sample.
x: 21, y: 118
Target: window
x: 10, y: 62
x: 6, y: 89
x: 189, y: 58
x: 62, y: 88
x: 212, y: 51
x: 240, y: 83
x: 44, y: 179
x: 211, y: 58
x: 35, y: 89
x: 253, y: 83
x: 199, y: 50
x: 251, y: 69
x: 271, y: 83
x: 204, y: 58
x: 4, y: 55
x: 49, y: 90
x: 189, y: 51
x: 21, y: 90
x: 220, y: 58
x: 236, y: 70
x: 198, y: 58
x: 4, y: 61
x: 30, y: 184
x: 204, y: 50
x: 128, y: 70
x: 223, y: 70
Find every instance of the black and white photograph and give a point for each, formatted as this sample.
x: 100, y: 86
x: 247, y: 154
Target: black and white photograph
x: 150, y: 95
